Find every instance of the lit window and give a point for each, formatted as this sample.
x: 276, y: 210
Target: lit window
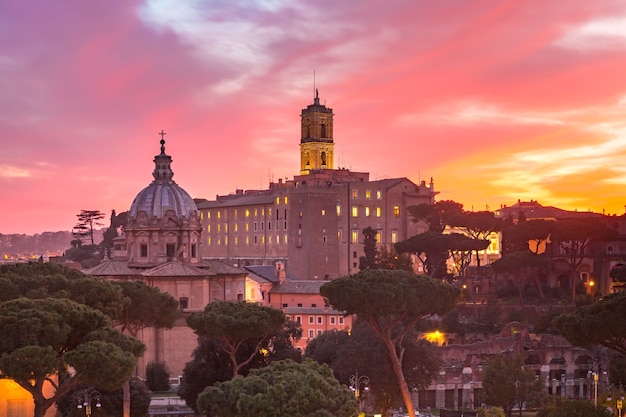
x: 236, y: 240
x: 379, y: 195
x: 269, y: 212
x: 208, y: 228
x: 219, y: 228
x: 285, y: 239
x: 262, y: 239
x: 225, y: 227
x: 208, y: 214
x: 236, y: 226
x: 355, y: 236
x: 338, y: 209
x: 225, y: 240
x: 355, y: 193
x: 285, y: 200
x: 219, y: 214
x: 323, y: 212
x: 247, y: 213
x: 208, y: 240
x: 368, y: 194
x: 247, y: 227
x: 379, y: 211
x: 355, y: 211
x: 262, y: 212
x: 247, y: 240
x: 396, y: 211
x: 367, y: 211
x: 277, y: 200
x: 394, y: 236
x: 378, y: 236
x: 219, y: 241
x: 256, y: 212
x: 339, y: 235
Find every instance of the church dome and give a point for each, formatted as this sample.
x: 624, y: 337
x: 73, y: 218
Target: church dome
x: 163, y: 194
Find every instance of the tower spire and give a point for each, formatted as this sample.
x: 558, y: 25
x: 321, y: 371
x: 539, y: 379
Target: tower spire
x: 162, y: 163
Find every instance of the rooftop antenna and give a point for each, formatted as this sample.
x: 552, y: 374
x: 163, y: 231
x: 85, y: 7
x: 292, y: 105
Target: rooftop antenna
x: 314, y: 83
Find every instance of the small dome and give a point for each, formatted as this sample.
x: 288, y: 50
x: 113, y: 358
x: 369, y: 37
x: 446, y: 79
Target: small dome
x: 163, y: 193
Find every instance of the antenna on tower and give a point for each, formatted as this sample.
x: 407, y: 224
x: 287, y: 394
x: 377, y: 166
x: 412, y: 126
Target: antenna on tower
x: 313, y: 82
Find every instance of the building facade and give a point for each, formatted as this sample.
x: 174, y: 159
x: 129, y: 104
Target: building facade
x: 312, y: 223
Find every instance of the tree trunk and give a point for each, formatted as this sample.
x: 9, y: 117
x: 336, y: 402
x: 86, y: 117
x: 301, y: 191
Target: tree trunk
x: 397, y: 369
x: 126, y: 403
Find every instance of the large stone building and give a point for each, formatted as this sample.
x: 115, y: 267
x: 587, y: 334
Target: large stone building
x: 312, y: 223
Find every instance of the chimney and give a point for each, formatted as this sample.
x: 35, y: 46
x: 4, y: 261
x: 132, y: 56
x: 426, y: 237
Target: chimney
x: 280, y: 272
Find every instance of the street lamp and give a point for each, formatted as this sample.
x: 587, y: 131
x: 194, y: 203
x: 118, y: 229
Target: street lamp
x: 85, y: 397
x: 356, y: 382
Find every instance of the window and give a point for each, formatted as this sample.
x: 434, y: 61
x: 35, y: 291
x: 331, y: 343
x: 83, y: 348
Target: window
x: 183, y: 302
x: 368, y: 194
x: 247, y: 240
x: 332, y: 319
x: 299, y: 304
x: 379, y: 195
x: 355, y: 211
x: 340, y: 320
x: 338, y: 209
x: 208, y: 214
x: 355, y: 193
x: 324, y: 239
x: 285, y: 239
x: 311, y: 334
x: 367, y: 211
x: 378, y: 236
x: 277, y: 200
x: 355, y: 236
x: 285, y: 225
x: 379, y: 212
x: 313, y: 305
x: 319, y: 332
x: 311, y: 320
x: 170, y: 250
x: 285, y: 305
x: 208, y: 228
x: 256, y: 212
x: 225, y: 227
x: 319, y: 320
x: 262, y: 239
x: 247, y: 227
x: 255, y: 240
x: 339, y: 236
x: 219, y: 228
x: 323, y: 212
x: 396, y: 211
x: 143, y: 250
x: 262, y: 226
x: 255, y: 226
x: 193, y: 250
x: 269, y: 225
x: 208, y: 241
x: 394, y: 236
x: 219, y: 241
x: 299, y: 319
x: 235, y: 213
x: 354, y: 254
x: 219, y: 214
x: 285, y: 200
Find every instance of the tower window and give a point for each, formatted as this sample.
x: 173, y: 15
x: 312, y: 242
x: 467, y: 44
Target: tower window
x: 323, y: 130
x: 193, y: 250
x: 143, y: 250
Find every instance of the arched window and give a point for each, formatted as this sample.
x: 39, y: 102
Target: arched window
x: 323, y: 130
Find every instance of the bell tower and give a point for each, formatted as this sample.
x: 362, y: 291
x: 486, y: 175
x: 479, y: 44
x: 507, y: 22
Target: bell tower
x: 316, y: 138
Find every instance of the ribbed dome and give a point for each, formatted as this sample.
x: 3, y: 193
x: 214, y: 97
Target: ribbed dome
x: 163, y: 193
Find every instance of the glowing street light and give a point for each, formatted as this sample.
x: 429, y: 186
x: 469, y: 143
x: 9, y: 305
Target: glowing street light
x: 85, y: 398
x: 356, y: 382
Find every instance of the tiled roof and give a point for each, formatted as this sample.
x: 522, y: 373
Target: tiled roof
x: 177, y: 269
x: 311, y: 310
x: 221, y: 268
x: 110, y: 267
x: 269, y: 272
x: 239, y: 200
x: 299, y: 287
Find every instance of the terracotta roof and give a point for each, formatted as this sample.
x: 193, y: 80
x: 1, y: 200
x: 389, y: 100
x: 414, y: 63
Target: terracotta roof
x: 311, y: 310
x: 110, y: 267
x: 269, y: 272
x: 299, y: 287
x: 177, y: 269
x: 222, y: 268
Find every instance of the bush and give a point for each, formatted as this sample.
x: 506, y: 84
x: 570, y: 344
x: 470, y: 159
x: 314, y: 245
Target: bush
x: 157, y: 376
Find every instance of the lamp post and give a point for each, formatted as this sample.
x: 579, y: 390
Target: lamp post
x: 595, y: 389
x: 356, y: 382
x: 86, y: 397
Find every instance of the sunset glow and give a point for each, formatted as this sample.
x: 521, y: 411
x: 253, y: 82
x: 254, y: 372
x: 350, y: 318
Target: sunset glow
x: 495, y: 100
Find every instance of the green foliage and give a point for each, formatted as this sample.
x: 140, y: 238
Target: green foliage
x: 157, y: 376
x: 561, y: 407
x: 587, y: 325
x: 211, y: 363
x: 490, y: 412
x: 390, y: 259
x: 361, y: 350
x: 284, y: 388
x: 391, y: 302
x: 147, y: 307
x: 370, y: 259
x: 235, y: 323
x: 617, y: 371
x: 506, y: 384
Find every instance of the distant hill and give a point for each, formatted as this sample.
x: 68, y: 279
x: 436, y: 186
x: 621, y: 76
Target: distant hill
x: 14, y: 246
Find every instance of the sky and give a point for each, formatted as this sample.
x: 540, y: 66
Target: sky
x: 497, y: 101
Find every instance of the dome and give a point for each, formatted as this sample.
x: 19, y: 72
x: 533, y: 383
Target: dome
x: 163, y: 193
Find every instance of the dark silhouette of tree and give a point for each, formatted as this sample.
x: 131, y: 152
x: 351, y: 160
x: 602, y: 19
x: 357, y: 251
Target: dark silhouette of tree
x: 506, y: 384
x: 370, y: 259
x: 211, y: 363
x: 87, y: 220
x: 361, y: 351
x: 284, y: 388
x: 589, y: 325
x: 390, y: 259
x: 234, y: 324
x: 562, y: 407
x: 479, y: 225
x: 392, y: 302
x: 524, y: 268
x: 437, y: 216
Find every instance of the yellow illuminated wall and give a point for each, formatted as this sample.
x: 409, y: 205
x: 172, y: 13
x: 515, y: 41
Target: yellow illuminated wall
x: 15, y: 401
